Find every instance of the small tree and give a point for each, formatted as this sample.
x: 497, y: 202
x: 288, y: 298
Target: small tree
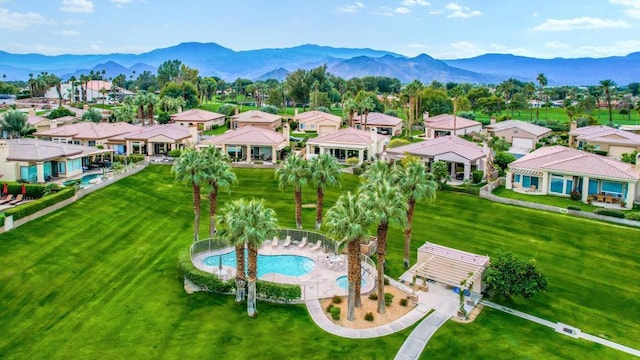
x: 509, y: 275
x: 440, y: 172
x: 92, y: 115
x: 398, y: 142
x: 15, y: 123
x: 503, y: 159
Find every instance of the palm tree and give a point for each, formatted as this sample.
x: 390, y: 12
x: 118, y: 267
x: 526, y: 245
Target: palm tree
x: 542, y: 81
x: 388, y: 206
x: 14, y: 122
x: 217, y: 174
x: 350, y: 106
x: 189, y: 168
x: 349, y: 219
x: 141, y: 100
x: 411, y: 92
x: 251, y: 222
x: 150, y: 101
x: 529, y: 90
x: 607, y: 85
x: 366, y: 105
x: 295, y: 172
x: 416, y: 184
x: 230, y: 220
x: 325, y: 172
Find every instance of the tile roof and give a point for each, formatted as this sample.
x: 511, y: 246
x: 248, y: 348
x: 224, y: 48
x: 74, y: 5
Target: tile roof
x: 315, y: 115
x: 441, y: 145
x: 172, y: 131
x: 34, y: 120
x: 567, y: 160
x: 606, y: 134
x: 246, y: 135
x: 446, y: 121
x: 42, y: 150
x: 256, y: 116
x: 89, y: 130
x: 346, y: 136
x: 379, y: 119
x: 196, y: 115
x: 534, y: 129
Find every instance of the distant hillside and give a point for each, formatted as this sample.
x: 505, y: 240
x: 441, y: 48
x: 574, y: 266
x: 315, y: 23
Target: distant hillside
x: 215, y: 60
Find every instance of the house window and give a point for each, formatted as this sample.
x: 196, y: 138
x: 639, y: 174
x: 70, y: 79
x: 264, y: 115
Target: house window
x: 92, y: 143
x: 557, y: 184
x: 596, y: 147
x: 516, y: 178
x: 530, y: 181
x: 29, y: 173
x: 593, y: 187
x: 569, y: 188
x: 612, y: 188
x: 62, y: 167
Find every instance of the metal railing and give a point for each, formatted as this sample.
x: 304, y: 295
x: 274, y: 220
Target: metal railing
x: 206, y: 245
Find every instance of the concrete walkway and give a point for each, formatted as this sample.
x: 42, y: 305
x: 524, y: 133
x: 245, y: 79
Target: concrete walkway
x: 562, y: 328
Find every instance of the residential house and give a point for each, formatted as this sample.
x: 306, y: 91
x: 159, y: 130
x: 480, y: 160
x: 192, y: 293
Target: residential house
x: 36, y: 160
x: 384, y: 124
x: 85, y: 133
x: 41, y: 123
x: 560, y: 171
x: 318, y: 121
x: 462, y: 156
x: 348, y: 143
x: 154, y: 140
x: 523, y: 136
x: 202, y: 119
x: 97, y: 91
x: 447, y: 124
x: 613, y: 142
x: 257, y: 119
x: 250, y: 143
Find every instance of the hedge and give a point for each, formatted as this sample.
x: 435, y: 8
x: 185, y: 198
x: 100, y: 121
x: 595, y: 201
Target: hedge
x: 633, y: 215
x: 32, y: 207
x: 278, y: 292
x: 34, y: 191
x: 609, y: 212
x: 468, y: 189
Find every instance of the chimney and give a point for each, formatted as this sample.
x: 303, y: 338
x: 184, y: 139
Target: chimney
x: 53, y: 124
x: 374, y: 139
x: 573, y: 126
x: 295, y: 112
x: 193, y: 131
x: 285, y: 133
x: 236, y: 111
x: 425, y: 115
x: 493, y: 120
x: 32, y: 112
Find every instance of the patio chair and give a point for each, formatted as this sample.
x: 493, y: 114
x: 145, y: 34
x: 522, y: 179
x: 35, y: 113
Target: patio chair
x: 17, y: 200
x: 303, y: 242
x: 274, y: 243
x: 317, y: 245
x: 287, y: 241
x: 7, y: 199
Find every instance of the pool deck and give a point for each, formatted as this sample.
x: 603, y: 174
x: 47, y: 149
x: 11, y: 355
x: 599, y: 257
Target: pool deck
x: 320, y: 283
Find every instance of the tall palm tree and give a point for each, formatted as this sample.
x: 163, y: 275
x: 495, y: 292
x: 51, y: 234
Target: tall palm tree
x: 608, y: 85
x: 141, y: 101
x: 150, y: 101
x: 349, y: 219
x: 217, y: 175
x: 411, y: 93
x: 351, y: 107
x: 294, y: 172
x: 230, y: 220
x: 366, y: 105
x: 325, y: 171
x: 416, y: 184
x: 542, y: 82
x: 529, y: 90
x: 251, y: 222
x: 189, y: 168
x: 388, y: 206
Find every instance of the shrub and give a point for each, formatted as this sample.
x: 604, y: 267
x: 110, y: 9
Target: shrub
x: 573, y: 207
x: 609, y: 212
x: 575, y: 195
x: 352, y: 161
x: 175, y: 153
x: 600, y: 152
x: 204, y: 280
x: 386, y: 281
x: 336, y: 299
x: 477, y: 176
x: 373, y: 296
x: 467, y: 115
x: 324, y: 109
x: 368, y: 316
x: 404, y: 302
x: 335, y: 313
x: 633, y: 216
x: 227, y: 109
x: 280, y: 292
x: 398, y: 142
x: 388, y: 299
x: 60, y: 112
x: 270, y: 109
x: 329, y: 307
x: 32, y: 207
x: 164, y: 118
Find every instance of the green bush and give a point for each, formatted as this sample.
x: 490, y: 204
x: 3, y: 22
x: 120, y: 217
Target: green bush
x: 335, y: 313
x: 34, y: 191
x: 600, y: 152
x: 207, y: 281
x: 635, y: 215
x: 352, y: 161
x: 404, y: 302
x: 32, y: 207
x: 398, y: 142
x: 477, y: 176
x: 329, y: 307
x: 175, y: 153
x: 373, y: 296
x: 386, y: 281
x: 130, y: 159
x: 280, y: 292
x: 357, y: 171
x: 388, y: 299
x: 60, y: 112
x: 573, y: 207
x: 336, y: 299
x: 575, y: 195
x: 609, y: 212
x: 368, y: 316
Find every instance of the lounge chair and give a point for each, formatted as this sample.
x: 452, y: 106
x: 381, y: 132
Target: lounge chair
x: 17, y: 200
x: 303, y: 242
x: 317, y: 245
x: 287, y: 241
x: 274, y: 243
x: 7, y: 199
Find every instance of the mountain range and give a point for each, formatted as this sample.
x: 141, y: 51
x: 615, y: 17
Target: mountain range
x: 215, y: 60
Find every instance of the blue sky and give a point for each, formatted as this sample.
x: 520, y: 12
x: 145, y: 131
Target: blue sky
x: 442, y: 29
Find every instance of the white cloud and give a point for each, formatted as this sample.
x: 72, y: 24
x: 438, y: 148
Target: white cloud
x: 415, y: 2
x: 402, y: 10
x: 436, y: 12
x: 351, y: 8
x: 77, y: 6
x: 67, y: 32
x: 556, y: 45
x: 461, y: 12
x: 619, y: 48
x: 633, y: 7
x: 453, y: 7
x: 580, y: 23
x: 19, y: 21
x: 497, y: 47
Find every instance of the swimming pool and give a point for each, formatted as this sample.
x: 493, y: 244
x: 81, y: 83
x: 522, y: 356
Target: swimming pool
x: 343, y: 282
x: 89, y: 180
x: 289, y: 265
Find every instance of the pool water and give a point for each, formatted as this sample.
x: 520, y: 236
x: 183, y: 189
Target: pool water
x: 86, y: 180
x: 289, y: 265
x: 343, y: 282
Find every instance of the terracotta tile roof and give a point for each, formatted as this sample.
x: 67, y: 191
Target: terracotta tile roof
x: 567, y: 160
x: 441, y: 145
x: 196, y: 115
x: 346, y: 136
x: 96, y: 85
x: 315, y: 115
x: 536, y: 130
x: 446, y: 121
x: 42, y: 150
x: 34, y: 120
x: 247, y: 135
x: 256, y: 116
x: 172, y: 131
x: 379, y: 119
x: 606, y: 134
x: 89, y: 130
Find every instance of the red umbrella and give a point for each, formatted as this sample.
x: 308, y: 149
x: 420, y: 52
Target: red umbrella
x: 24, y: 189
x: 4, y: 189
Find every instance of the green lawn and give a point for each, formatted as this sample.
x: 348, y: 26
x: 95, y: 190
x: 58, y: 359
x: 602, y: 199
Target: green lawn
x: 217, y: 131
x: 561, y: 202
x: 560, y: 114
x: 98, y: 279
